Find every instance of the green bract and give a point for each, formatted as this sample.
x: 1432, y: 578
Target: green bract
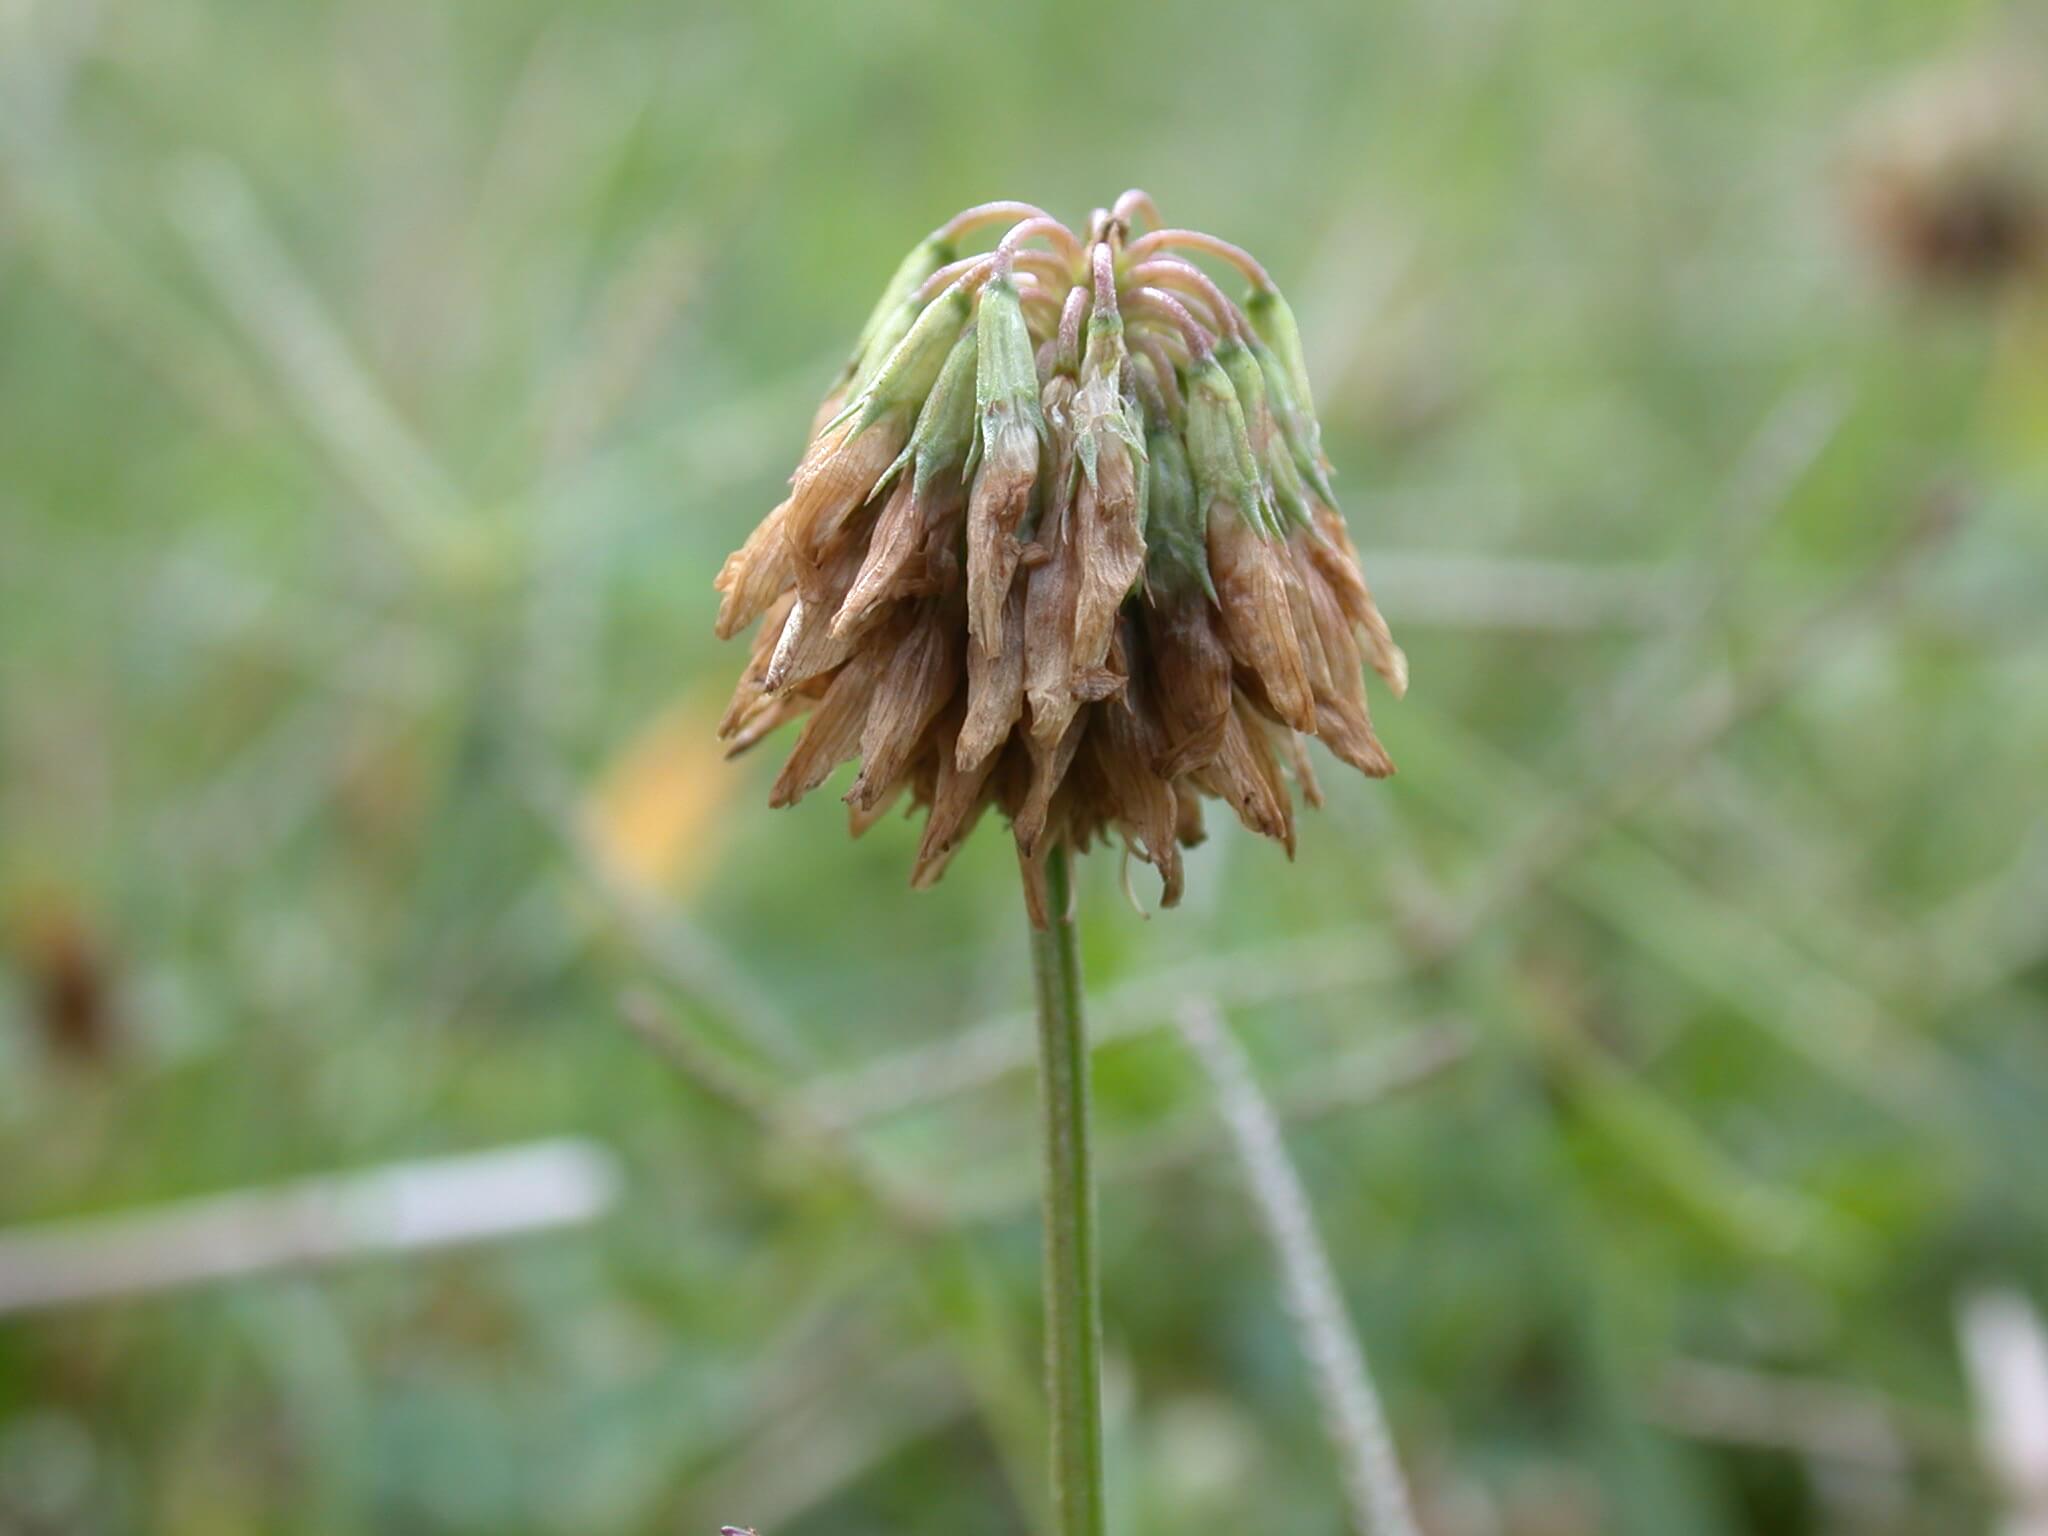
x: 1219, y: 447
x: 945, y: 426
x: 1176, y: 540
x: 894, y: 311
x: 1005, y: 377
x: 907, y: 374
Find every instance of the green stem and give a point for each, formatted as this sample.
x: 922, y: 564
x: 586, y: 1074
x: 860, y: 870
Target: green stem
x: 1073, y: 1288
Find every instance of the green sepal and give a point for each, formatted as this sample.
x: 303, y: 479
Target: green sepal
x: 1176, y: 533
x: 945, y: 427
x: 1290, y: 495
x: 945, y: 423
x: 1220, y: 449
x: 1100, y: 404
x: 906, y: 376
x: 894, y: 311
x: 1105, y: 354
x: 1274, y: 321
x: 1006, y: 369
x: 1283, y: 482
x: 1144, y: 370
x: 1299, y: 427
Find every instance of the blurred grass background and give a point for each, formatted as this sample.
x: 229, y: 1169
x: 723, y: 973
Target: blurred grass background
x: 380, y: 387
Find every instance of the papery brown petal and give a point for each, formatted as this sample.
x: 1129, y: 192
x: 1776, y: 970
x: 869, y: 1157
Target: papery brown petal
x: 1190, y: 669
x: 1346, y: 729
x: 807, y: 649
x: 1009, y: 781
x: 754, y: 575
x: 860, y: 818
x: 923, y: 777
x: 922, y: 672
x: 835, y: 479
x: 1296, y: 747
x: 1258, y: 622
x: 832, y: 734
x: 1295, y: 572
x: 1098, y: 684
x: 1247, y: 689
x: 750, y: 696
x: 1112, y: 550
x: 772, y: 713
x: 891, y: 549
x: 1049, y: 764
x: 1050, y: 590
x: 909, y: 554
x: 959, y: 796
x: 1335, y: 557
x: 1188, y: 828
x: 1245, y: 774
x: 996, y: 507
x: 1387, y: 658
x: 1123, y: 749
x: 1334, y: 630
x: 995, y: 688
x: 825, y: 573
x: 1342, y: 719
x: 945, y: 517
x: 1113, y: 676
x: 810, y: 645
x: 1259, y: 737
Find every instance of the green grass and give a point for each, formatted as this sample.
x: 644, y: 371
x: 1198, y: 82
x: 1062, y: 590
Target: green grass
x: 380, y: 387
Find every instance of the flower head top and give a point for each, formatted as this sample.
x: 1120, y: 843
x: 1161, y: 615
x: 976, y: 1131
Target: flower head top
x: 1064, y: 543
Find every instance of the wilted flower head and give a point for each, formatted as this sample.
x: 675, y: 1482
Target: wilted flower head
x: 1063, y: 544
x: 1949, y: 176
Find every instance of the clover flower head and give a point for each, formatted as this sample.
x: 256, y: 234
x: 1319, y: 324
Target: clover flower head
x: 1063, y: 545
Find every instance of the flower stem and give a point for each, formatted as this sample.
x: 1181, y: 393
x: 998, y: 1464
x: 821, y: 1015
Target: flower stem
x: 1073, y: 1288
